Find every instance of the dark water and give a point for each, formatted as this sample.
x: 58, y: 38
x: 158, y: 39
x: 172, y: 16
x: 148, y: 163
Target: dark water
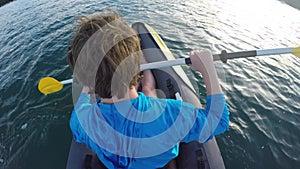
x: 262, y: 93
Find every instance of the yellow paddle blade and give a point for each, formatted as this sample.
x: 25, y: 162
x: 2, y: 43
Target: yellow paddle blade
x: 296, y: 51
x: 49, y: 85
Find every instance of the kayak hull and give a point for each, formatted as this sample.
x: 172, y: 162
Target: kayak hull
x: 170, y: 81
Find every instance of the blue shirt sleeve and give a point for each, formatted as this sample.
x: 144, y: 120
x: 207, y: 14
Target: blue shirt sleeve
x: 211, y: 121
x: 83, y: 103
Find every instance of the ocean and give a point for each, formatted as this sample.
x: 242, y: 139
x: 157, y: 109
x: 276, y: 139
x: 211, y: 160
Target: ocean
x: 262, y: 92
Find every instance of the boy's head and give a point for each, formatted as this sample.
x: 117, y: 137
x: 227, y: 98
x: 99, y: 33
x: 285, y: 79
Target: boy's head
x: 103, y: 47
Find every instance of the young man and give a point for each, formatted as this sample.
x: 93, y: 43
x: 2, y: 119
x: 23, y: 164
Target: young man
x: 105, y: 55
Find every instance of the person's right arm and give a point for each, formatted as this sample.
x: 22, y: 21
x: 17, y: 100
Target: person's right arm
x: 202, y: 61
x: 214, y: 119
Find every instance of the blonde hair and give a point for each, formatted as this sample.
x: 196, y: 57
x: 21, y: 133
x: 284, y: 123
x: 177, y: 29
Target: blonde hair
x: 105, y: 41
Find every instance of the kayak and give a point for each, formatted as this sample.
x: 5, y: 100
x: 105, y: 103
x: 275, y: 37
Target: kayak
x: 173, y: 83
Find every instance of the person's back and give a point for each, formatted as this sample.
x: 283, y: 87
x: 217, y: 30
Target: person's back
x: 123, y: 127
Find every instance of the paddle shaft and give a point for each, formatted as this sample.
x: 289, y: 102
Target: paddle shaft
x: 67, y: 81
x: 223, y: 56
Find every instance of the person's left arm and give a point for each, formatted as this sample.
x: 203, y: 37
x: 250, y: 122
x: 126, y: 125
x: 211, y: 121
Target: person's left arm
x: 82, y: 107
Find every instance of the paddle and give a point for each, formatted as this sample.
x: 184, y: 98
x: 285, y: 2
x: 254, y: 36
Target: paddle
x: 50, y: 85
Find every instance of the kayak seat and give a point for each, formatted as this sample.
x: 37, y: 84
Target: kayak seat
x: 192, y: 156
x: 91, y: 161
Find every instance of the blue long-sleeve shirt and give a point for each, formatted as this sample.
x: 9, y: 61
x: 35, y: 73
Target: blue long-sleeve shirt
x: 144, y: 132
